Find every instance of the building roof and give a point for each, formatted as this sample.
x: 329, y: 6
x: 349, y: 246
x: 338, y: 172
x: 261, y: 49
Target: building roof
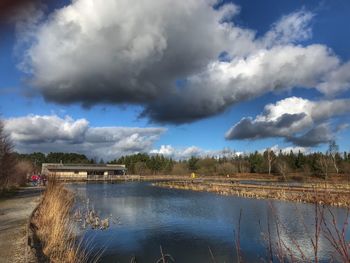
x: 84, y: 167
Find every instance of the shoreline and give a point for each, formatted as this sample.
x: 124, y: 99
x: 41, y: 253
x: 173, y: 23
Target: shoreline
x: 256, y: 177
x: 333, y: 192
x: 328, y: 194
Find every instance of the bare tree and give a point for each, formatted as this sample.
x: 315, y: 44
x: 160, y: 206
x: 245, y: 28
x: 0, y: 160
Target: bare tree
x: 323, y: 162
x: 271, y: 158
x: 333, y: 149
x: 140, y: 168
x: 282, y: 165
x: 7, y: 158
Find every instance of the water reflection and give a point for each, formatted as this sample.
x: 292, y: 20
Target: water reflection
x: 187, y: 223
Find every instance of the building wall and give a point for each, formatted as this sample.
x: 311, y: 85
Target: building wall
x: 81, y: 175
x: 68, y: 174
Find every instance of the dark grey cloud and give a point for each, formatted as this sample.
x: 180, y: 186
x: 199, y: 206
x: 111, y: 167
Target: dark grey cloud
x: 299, y: 121
x: 317, y: 135
x: 109, y: 52
x: 247, y: 128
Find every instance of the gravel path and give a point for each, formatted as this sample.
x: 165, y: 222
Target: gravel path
x: 14, y: 213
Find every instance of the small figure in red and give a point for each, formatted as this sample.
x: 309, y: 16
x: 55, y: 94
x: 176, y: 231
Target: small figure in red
x: 35, y: 179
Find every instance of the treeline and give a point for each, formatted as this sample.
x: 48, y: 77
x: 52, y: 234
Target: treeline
x: 38, y: 158
x: 279, y: 163
x: 269, y: 162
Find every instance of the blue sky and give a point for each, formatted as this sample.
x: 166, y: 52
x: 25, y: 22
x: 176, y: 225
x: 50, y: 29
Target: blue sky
x: 24, y: 95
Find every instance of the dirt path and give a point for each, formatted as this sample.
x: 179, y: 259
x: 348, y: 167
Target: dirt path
x: 14, y: 213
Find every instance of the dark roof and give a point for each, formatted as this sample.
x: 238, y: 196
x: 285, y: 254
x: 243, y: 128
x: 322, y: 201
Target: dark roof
x: 72, y: 167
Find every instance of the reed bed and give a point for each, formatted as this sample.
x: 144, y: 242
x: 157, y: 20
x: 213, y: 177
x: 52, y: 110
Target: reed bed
x: 328, y: 185
x: 322, y: 195
x: 53, y: 227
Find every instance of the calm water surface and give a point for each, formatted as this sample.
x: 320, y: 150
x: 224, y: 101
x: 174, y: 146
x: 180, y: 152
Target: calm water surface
x: 186, y: 224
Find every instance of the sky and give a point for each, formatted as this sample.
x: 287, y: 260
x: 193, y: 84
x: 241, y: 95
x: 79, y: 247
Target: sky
x: 179, y: 78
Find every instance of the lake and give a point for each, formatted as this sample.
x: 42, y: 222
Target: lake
x: 188, y: 225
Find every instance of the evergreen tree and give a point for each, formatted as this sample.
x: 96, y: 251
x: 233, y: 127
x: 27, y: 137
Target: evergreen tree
x: 193, y: 164
x: 256, y: 162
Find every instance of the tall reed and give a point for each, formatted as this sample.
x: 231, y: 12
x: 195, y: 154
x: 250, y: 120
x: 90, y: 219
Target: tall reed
x: 54, y: 227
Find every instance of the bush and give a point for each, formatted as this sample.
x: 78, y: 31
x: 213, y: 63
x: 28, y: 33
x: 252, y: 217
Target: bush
x: 180, y: 169
x: 226, y: 169
x: 22, y: 170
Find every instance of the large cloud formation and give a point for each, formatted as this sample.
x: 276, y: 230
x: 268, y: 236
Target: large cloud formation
x: 181, y: 60
x: 300, y: 121
x: 44, y: 133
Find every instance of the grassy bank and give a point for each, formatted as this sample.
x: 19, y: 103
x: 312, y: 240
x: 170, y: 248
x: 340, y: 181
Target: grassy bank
x: 53, y: 228
x: 328, y: 194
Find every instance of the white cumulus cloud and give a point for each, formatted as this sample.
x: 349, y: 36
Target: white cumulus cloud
x: 182, y: 153
x: 114, y: 51
x: 52, y: 133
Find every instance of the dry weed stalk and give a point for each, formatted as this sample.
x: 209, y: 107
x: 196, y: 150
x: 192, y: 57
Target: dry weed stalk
x: 337, y: 236
x: 54, y: 228
x: 165, y: 258
x: 238, y: 238
x: 323, y: 226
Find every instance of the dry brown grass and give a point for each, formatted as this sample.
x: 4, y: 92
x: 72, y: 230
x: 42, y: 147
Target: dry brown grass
x: 54, y: 228
x: 329, y: 195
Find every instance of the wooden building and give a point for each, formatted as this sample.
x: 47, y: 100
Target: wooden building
x: 83, y: 171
